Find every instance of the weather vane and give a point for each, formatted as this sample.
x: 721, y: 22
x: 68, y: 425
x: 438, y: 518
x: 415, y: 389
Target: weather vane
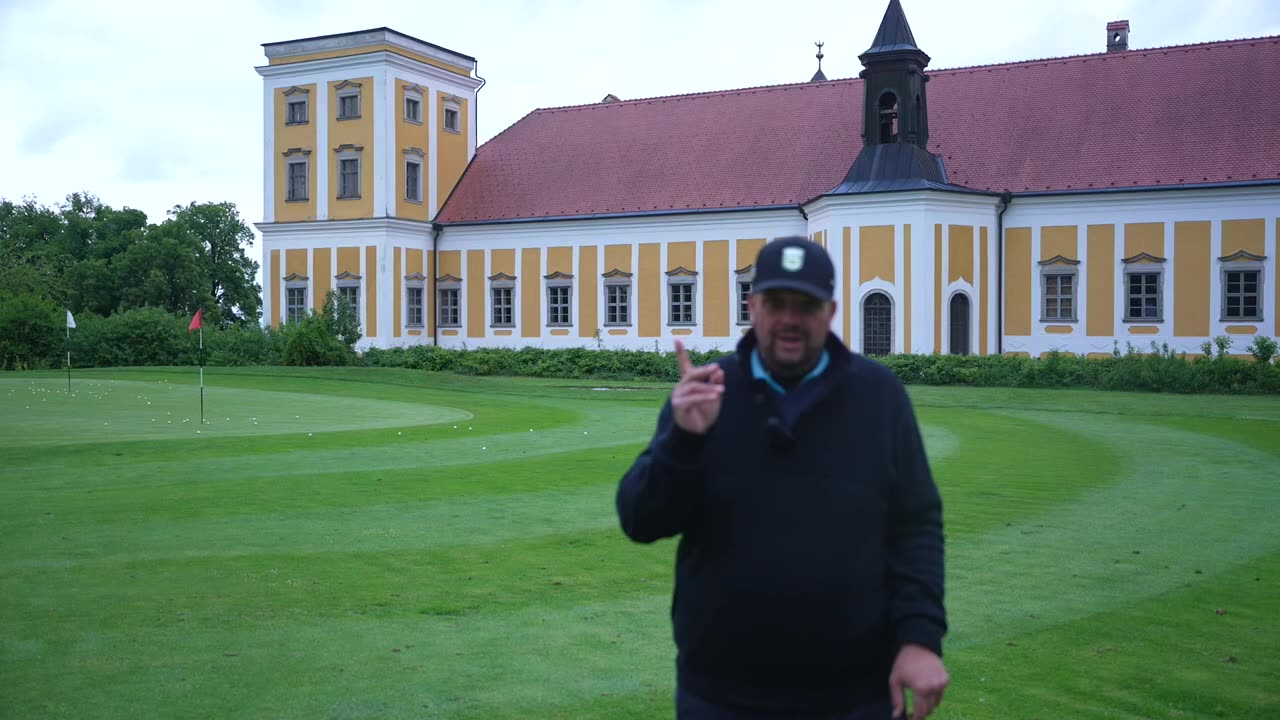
x: 819, y: 44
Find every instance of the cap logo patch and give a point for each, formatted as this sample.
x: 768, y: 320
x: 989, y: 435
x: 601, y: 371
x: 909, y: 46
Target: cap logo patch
x: 792, y: 259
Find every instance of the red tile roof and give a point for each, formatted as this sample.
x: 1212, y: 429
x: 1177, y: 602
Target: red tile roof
x: 1186, y: 115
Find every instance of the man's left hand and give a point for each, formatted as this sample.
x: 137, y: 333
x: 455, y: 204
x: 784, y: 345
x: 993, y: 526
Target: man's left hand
x: 917, y: 669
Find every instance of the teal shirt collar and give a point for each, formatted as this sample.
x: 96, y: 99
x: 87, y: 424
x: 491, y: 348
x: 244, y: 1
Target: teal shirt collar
x: 759, y: 371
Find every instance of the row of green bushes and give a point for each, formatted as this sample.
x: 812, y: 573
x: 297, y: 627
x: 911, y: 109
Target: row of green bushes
x: 151, y: 336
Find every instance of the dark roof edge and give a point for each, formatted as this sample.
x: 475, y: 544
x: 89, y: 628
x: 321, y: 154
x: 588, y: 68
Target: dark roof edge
x: 367, y: 30
x: 608, y: 216
x: 1148, y: 188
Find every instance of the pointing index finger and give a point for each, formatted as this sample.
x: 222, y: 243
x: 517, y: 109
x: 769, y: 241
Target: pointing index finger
x: 682, y: 357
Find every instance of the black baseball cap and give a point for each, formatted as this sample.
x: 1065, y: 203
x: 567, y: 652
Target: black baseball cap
x: 794, y: 263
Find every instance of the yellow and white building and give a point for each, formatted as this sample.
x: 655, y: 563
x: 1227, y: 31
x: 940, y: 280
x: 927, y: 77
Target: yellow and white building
x: 1070, y: 204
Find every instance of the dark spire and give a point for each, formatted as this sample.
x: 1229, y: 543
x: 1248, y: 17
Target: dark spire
x: 894, y: 36
x: 818, y: 76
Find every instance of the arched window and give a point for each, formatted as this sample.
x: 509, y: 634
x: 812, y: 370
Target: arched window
x: 960, y: 324
x: 877, y: 324
x: 888, y: 117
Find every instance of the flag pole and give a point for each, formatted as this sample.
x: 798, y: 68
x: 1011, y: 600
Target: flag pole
x: 68, y: 358
x: 202, y: 374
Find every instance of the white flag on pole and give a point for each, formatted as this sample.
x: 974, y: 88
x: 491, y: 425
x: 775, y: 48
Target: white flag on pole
x: 71, y: 321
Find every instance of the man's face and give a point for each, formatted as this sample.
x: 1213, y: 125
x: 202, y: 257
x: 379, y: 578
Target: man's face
x: 791, y: 329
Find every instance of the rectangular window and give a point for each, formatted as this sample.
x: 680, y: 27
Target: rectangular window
x: 297, y: 112
x: 744, y: 310
x: 413, y: 302
x: 681, y: 310
x: 1144, y: 296
x: 350, y: 294
x: 349, y: 106
x: 451, y: 119
x: 349, y: 178
x: 447, y: 311
x: 297, y: 181
x: 617, y: 304
x: 295, y: 304
x: 1243, y: 297
x: 1059, y: 297
x: 413, y: 109
x: 558, y: 305
x: 503, y: 308
x: 413, y: 181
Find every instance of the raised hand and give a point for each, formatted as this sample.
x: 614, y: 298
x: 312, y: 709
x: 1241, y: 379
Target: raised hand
x: 695, y: 402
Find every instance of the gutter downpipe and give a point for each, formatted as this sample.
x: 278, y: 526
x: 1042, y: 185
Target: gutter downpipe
x: 436, y: 229
x: 1006, y: 199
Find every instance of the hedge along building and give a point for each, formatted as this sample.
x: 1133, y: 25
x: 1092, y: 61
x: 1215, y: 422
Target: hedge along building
x: 1064, y: 204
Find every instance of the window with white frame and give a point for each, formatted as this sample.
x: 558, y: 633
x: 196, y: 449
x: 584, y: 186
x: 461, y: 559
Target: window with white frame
x: 452, y: 116
x: 413, y: 109
x: 1242, y: 286
x: 295, y: 298
x: 349, y: 171
x: 413, y: 178
x: 413, y: 299
x: 559, y: 298
x: 297, y: 174
x: 617, y: 297
x: 1143, y: 288
x: 347, y: 286
x: 502, y: 290
x: 745, y: 278
x: 297, y: 106
x: 448, y: 301
x: 348, y: 100
x: 1058, y: 289
x: 681, y: 292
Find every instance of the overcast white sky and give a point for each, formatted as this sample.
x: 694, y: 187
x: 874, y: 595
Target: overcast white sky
x: 151, y: 103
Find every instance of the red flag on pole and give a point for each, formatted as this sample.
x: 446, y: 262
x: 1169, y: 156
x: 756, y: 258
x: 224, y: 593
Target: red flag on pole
x: 197, y: 322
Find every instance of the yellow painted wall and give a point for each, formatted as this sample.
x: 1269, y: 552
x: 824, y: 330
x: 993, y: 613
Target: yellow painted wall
x: 1247, y: 235
x: 397, y: 302
x: 1017, y: 267
x: 1144, y: 238
x: 875, y: 253
x: 381, y: 47
x: 358, y: 132
x: 1058, y: 329
x: 588, y: 290
x: 450, y: 263
x: 846, y: 281
x: 321, y: 274
x: 649, y: 290
x: 1101, y: 320
x: 411, y: 135
x: 295, y: 136
x: 617, y: 257
x: 937, y: 288
x: 413, y: 262
x: 560, y: 260
x: 715, y: 288
x: 682, y: 255
x: 1241, y: 330
x: 276, y: 311
x: 1058, y: 240
x: 906, y: 288
x: 295, y: 262
x: 475, y: 289
x: 349, y: 260
x: 1191, y: 263
x: 1143, y: 329
x: 960, y: 253
x: 531, y: 292
x: 451, y: 153
x: 984, y: 293
x: 748, y: 249
x: 371, y: 291
x: 503, y: 261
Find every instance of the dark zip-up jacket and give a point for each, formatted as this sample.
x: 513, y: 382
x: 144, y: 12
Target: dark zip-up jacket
x: 811, y: 541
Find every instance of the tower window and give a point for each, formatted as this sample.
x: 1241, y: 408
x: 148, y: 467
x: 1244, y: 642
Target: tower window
x: 888, y: 118
x: 451, y: 119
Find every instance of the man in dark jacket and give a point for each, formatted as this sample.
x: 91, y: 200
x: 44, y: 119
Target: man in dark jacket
x: 809, y: 572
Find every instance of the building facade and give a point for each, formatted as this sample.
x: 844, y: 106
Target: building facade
x: 1072, y: 204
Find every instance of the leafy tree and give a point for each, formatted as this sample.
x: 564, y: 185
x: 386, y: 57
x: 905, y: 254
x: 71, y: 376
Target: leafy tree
x: 228, y: 273
x: 31, y: 330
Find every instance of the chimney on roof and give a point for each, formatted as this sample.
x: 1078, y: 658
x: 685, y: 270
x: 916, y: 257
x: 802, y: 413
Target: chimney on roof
x: 1117, y: 36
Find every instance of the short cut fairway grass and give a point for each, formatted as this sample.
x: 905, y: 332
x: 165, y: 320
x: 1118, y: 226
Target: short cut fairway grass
x: 379, y: 543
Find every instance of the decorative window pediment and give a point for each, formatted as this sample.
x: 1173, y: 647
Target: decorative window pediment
x: 1059, y: 260
x: 347, y: 85
x: 502, y: 277
x: 415, y: 88
x: 616, y: 274
x: 414, y: 152
x: 682, y: 271
x: 295, y: 90
x: 346, y: 275
x: 1242, y: 256
x: 557, y: 275
x: 295, y: 277
x: 296, y: 151
x: 415, y: 277
x: 348, y: 147
x: 447, y: 278
x: 748, y: 270
x: 1142, y: 257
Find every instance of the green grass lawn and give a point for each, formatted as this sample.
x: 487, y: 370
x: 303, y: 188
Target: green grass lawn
x: 377, y: 543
